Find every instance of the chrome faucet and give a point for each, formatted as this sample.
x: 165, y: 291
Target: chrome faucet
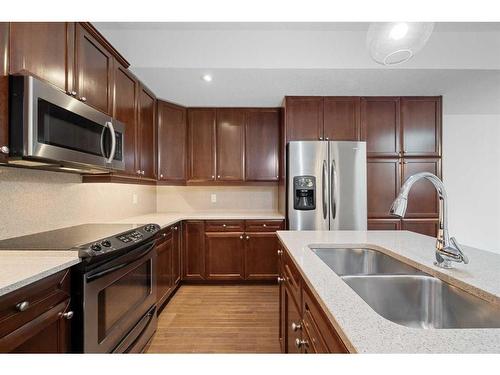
x: 447, y: 249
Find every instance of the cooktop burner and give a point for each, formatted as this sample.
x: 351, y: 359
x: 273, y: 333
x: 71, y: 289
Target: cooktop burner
x: 73, y: 238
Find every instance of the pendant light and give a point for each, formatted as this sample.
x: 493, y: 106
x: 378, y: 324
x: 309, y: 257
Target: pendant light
x: 392, y: 43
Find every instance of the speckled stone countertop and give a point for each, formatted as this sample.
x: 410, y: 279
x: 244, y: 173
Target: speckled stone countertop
x: 21, y: 268
x: 169, y: 218
x: 361, y: 328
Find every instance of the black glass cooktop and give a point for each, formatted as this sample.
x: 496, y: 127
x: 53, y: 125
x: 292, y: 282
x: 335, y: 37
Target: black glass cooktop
x: 66, y: 238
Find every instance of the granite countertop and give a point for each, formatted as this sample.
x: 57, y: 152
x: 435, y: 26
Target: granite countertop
x: 19, y: 268
x: 22, y: 267
x: 169, y: 218
x: 361, y: 328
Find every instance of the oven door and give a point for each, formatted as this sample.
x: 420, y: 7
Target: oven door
x: 118, y: 298
x: 61, y: 128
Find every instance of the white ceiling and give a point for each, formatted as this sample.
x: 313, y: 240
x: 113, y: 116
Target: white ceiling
x: 256, y: 64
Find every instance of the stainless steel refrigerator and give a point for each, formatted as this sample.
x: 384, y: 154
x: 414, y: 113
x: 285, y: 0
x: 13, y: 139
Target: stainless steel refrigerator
x: 326, y: 185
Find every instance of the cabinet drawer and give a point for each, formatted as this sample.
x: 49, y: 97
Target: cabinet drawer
x: 224, y: 226
x: 263, y: 225
x: 314, y: 341
x: 292, y: 278
x: 319, y: 327
x: 25, y: 304
x: 164, y: 235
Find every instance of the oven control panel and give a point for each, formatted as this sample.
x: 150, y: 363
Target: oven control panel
x: 122, y: 241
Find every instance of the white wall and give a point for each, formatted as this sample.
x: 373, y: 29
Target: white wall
x: 471, y: 173
x: 35, y: 201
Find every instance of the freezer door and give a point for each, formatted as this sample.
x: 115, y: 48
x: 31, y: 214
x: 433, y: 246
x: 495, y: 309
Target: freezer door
x: 347, y: 173
x: 307, y: 191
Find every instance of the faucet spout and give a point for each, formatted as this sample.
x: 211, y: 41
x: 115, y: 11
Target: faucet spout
x: 447, y: 249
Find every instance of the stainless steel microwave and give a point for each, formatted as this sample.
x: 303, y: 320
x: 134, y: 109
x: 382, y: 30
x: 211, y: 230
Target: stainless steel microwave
x: 49, y: 129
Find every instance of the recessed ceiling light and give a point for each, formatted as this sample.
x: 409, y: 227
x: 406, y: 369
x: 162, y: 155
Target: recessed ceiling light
x: 399, y: 31
x: 207, y: 78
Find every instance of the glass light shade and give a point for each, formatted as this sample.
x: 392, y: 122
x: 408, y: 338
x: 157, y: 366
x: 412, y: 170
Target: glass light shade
x: 392, y: 43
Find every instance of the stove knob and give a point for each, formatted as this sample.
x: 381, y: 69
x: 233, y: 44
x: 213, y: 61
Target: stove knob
x: 106, y: 243
x: 96, y: 247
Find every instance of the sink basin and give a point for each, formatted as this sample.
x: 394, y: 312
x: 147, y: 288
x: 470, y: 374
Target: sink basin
x: 360, y: 261
x: 421, y: 301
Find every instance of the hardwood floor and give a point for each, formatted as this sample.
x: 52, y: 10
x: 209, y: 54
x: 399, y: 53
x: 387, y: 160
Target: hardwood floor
x: 219, y: 319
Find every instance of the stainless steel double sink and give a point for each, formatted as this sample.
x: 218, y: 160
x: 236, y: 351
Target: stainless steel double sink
x: 405, y: 295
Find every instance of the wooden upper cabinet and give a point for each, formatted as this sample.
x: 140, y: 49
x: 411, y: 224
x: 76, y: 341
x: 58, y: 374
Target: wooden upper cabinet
x: 422, y: 200
x: 304, y: 118
x: 44, y: 49
x: 126, y: 88
x: 201, y: 144
x: 421, y: 126
x: 383, y: 183
x: 4, y: 91
x: 341, y: 118
x: 262, y: 135
x: 172, y: 138
x: 146, y: 132
x: 380, y: 126
x: 93, y: 75
x: 230, y: 144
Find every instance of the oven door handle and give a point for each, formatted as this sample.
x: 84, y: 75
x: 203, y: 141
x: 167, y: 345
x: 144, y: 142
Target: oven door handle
x: 98, y: 274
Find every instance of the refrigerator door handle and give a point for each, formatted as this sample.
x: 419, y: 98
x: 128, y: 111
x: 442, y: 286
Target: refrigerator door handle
x: 324, y: 192
x: 333, y: 186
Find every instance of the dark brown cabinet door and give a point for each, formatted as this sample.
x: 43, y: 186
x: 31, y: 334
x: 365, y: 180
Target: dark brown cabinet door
x: 146, y: 134
x: 380, y: 126
x: 94, y: 65
x: 383, y: 183
x: 341, y: 118
x: 124, y: 110
x: 164, y: 267
x: 428, y: 227
x: 45, y: 49
x: 48, y: 333
x: 224, y: 255
x: 422, y: 199
x: 4, y: 92
x: 292, y: 318
x: 304, y: 118
x: 261, y: 256
x: 172, y: 138
x: 201, y: 144
x: 262, y: 137
x: 230, y: 144
x: 193, y: 259
x: 176, y: 253
x: 421, y: 125
x: 384, y: 224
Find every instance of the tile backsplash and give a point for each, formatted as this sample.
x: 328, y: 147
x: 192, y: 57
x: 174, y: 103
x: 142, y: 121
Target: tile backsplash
x: 34, y: 201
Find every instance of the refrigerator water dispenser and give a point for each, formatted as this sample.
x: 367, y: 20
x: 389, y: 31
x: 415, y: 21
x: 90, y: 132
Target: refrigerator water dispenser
x: 304, y: 197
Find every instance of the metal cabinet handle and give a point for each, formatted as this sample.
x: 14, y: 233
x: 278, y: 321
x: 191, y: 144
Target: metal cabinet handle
x: 320, y: 138
x: 83, y: 99
x: 247, y: 237
x: 224, y: 225
x: 142, y: 173
x: 327, y: 138
x: 281, y: 279
x: 138, y: 171
x: 280, y: 252
x: 264, y: 225
x: 164, y: 234
x: 67, y: 315
x: 296, y: 326
x: 4, y: 150
x: 299, y: 343
x: 213, y: 177
x: 161, y: 175
x: 241, y: 237
x: 176, y: 228
x: 218, y: 176
x: 22, y: 306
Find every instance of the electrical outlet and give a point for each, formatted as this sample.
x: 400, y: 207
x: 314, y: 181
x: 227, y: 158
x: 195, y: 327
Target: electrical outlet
x: 135, y: 199
x: 213, y: 198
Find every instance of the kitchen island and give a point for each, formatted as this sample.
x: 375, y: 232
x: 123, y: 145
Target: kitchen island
x: 363, y: 330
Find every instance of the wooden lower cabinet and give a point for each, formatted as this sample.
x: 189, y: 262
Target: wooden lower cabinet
x: 261, y: 256
x: 164, y: 278
x: 429, y: 227
x: 193, y: 263
x: 224, y: 255
x: 303, y: 326
x: 176, y: 252
x: 36, y: 318
x: 384, y: 224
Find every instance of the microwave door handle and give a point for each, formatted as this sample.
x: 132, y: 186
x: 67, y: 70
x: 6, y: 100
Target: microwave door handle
x: 102, y: 142
x: 109, y: 125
